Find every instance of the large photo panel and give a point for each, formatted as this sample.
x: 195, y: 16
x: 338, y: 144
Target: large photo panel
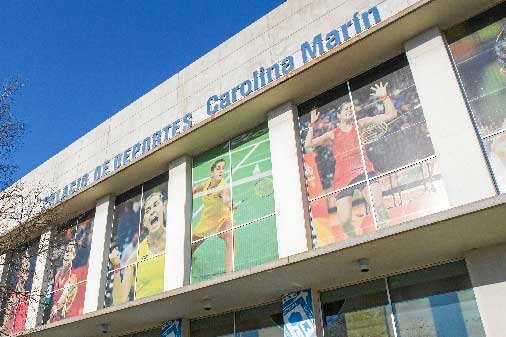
x: 69, y: 269
x: 212, y: 235
x: 355, y: 138
x: 17, y: 294
x: 233, y: 221
x: 478, y: 47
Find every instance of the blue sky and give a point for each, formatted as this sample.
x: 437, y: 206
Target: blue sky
x: 84, y: 60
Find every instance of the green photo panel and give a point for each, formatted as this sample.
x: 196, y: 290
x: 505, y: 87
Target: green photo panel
x: 233, y: 206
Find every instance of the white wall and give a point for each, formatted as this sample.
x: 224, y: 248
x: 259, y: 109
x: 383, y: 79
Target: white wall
x: 464, y: 171
x: 178, y: 241
x: 487, y: 270
x: 99, y: 251
x: 263, y: 43
x: 289, y: 188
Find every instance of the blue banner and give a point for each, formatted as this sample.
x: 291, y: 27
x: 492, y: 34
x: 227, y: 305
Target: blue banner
x: 298, y: 314
x: 172, y: 329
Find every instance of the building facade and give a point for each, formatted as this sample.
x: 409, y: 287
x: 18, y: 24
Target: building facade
x: 337, y: 168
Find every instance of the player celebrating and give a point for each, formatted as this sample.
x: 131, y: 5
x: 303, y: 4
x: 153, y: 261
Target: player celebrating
x: 349, y: 165
x: 64, y: 281
x: 149, y: 278
x: 216, y: 214
x: 17, y: 304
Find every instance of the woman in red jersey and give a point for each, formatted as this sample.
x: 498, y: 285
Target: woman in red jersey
x: 351, y: 160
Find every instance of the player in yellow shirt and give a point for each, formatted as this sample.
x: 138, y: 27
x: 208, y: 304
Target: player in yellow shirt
x: 150, y: 275
x: 216, y: 214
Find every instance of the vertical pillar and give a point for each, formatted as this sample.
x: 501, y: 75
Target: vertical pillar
x: 460, y: 156
x: 100, y: 242
x: 317, y: 312
x: 289, y: 187
x: 178, y: 245
x: 39, y: 285
x: 487, y: 270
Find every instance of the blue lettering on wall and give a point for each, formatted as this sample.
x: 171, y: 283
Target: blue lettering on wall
x: 261, y: 77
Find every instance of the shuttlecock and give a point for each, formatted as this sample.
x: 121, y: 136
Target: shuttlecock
x: 256, y: 170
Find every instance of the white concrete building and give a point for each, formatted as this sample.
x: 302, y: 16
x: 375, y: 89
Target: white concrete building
x: 335, y: 169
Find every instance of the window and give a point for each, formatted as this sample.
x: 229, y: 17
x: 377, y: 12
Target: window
x: 368, y: 156
x: 360, y: 310
x: 233, y: 220
x: 68, y: 260
x: 266, y: 320
x: 137, y: 253
x: 17, y: 290
x: 478, y: 47
x: 434, y: 302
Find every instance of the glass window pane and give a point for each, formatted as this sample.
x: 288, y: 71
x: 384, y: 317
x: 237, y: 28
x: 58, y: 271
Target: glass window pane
x: 125, y: 233
x: 256, y: 243
x: 17, y: 289
x: 252, y: 185
x: 264, y: 321
x: 120, y: 286
x: 408, y: 194
x: 496, y: 151
x: 148, y: 333
x: 478, y: 47
x: 435, y: 302
x: 83, y: 238
x: 332, y: 153
x: 342, y: 215
x: 54, y: 307
x: 14, y: 315
x: 390, y: 117
x: 218, y: 326
x: 211, y: 193
x: 64, y: 303
x: 209, y: 255
x: 154, y: 222
x: 74, y: 303
x: 150, y: 274
x: 232, y: 187
x: 63, y: 252
x: 357, y: 311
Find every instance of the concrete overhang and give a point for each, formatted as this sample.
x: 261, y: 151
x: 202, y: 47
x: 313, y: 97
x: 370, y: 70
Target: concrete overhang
x: 434, y: 239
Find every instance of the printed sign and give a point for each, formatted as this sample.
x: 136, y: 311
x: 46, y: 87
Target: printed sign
x: 298, y: 314
x: 172, y: 328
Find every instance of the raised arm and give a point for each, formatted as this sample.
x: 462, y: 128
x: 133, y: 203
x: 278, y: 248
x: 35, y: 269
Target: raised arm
x: 121, y: 287
x: 198, y: 188
x: 380, y: 91
x: 310, y: 141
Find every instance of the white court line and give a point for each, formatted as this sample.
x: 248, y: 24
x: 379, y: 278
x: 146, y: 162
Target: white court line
x: 236, y: 183
x: 197, y: 212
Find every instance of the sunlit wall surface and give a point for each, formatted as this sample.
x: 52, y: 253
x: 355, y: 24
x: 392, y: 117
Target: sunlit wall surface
x: 137, y: 253
x: 17, y: 294
x: 478, y: 47
x: 68, y: 260
x: 434, y: 302
x: 233, y: 220
x: 368, y: 155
